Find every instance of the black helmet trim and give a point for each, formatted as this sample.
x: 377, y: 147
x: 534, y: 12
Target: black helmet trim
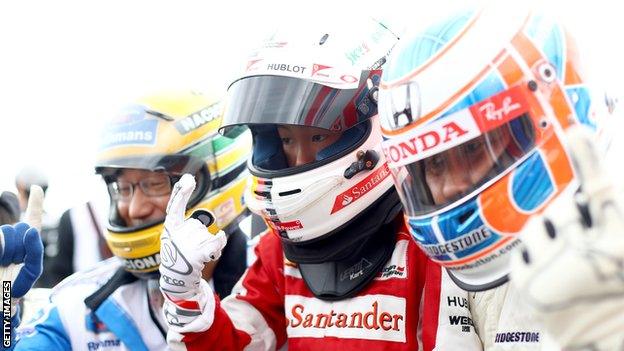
x: 227, y: 178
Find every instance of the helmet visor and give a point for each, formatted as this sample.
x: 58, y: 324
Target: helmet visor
x: 294, y: 101
x: 438, y: 163
x: 173, y: 164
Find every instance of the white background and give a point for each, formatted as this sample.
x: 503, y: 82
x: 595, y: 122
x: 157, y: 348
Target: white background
x: 65, y: 66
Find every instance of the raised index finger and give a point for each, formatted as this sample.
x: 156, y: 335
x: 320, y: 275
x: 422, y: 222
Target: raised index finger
x: 180, y: 196
x: 34, y: 210
x: 587, y: 161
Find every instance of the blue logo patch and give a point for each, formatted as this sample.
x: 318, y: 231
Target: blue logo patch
x: 139, y: 133
x: 453, y: 235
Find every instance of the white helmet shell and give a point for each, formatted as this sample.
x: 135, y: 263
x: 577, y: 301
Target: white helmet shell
x: 324, y: 78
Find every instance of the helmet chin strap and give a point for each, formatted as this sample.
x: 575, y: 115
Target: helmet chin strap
x: 342, y: 264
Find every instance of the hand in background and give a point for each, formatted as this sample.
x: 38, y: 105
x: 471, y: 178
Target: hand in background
x: 571, y: 269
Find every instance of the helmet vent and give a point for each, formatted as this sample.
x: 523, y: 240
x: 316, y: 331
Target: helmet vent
x: 465, y: 216
x: 323, y: 39
x: 160, y: 115
x: 266, y: 194
x: 289, y: 192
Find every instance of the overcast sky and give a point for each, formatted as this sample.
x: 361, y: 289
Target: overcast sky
x: 67, y: 65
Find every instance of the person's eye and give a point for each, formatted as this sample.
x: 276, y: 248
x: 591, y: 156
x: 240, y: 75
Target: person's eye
x: 123, y: 189
x: 155, y: 184
x: 318, y: 138
x: 286, y: 141
x: 435, y: 165
x: 474, y: 146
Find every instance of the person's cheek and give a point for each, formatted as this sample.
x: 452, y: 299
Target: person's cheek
x: 162, y: 204
x: 480, y: 168
x: 122, y: 210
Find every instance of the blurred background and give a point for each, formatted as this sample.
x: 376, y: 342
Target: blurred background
x: 66, y: 66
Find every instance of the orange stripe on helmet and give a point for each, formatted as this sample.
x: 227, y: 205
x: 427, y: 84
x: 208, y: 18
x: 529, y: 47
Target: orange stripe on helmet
x: 558, y: 162
x: 510, y: 71
x: 499, y: 212
x: 553, y: 91
x: 572, y: 75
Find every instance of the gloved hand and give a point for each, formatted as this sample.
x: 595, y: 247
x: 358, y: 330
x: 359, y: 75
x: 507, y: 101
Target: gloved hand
x: 571, y: 268
x: 185, y: 245
x: 21, y: 249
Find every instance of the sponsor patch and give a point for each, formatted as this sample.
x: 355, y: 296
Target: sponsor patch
x: 428, y: 140
x: 225, y: 212
x: 500, y: 109
x: 285, y: 226
x: 251, y: 65
x: 286, y: 68
x: 103, y: 344
x: 317, y: 68
x: 397, y: 265
x: 370, y: 317
x: 356, y: 270
x: 464, y: 321
x: 460, y: 244
x: 142, y: 263
x: 457, y: 301
x: 360, y: 189
x: 140, y: 133
x: 526, y: 337
x: 198, y: 119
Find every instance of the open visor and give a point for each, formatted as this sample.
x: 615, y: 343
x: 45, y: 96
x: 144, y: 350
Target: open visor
x: 294, y: 101
x: 439, y: 162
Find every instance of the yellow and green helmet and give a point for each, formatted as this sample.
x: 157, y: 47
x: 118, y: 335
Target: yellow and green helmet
x: 174, y: 133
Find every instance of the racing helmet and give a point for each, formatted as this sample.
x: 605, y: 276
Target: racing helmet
x: 173, y: 133
x: 473, y: 112
x: 323, y: 77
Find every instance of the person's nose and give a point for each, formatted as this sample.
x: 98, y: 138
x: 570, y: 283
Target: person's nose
x: 304, y: 155
x: 139, y: 208
x: 458, y: 179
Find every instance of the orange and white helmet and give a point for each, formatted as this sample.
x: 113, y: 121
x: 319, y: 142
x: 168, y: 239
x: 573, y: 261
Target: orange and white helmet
x: 473, y: 112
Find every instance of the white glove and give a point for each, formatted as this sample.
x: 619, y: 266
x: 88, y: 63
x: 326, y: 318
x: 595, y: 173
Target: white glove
x: 571, y: 268
x: 185, y: 245
x: 34, y: 210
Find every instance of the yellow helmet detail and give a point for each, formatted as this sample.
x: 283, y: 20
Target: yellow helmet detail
x: 173, y: 133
